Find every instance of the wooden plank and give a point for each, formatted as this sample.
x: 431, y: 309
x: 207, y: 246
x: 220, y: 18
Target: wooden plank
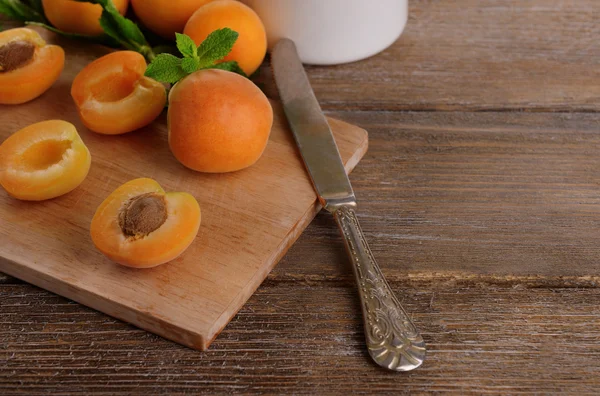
x: 302, y: 337
x: 249, y: 220
x: 470, y: 194
x: 538, y: 55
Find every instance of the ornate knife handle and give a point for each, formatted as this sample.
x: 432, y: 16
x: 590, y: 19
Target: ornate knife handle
x: 392, y: 339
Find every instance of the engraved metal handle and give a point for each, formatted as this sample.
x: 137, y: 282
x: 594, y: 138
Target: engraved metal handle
x: 392, y: 339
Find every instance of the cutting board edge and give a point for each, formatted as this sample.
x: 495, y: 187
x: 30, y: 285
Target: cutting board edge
x: 102, y: 304
x: 291, y: 237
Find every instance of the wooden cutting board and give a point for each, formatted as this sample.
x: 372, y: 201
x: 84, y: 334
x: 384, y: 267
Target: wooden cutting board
x: 249, y: 220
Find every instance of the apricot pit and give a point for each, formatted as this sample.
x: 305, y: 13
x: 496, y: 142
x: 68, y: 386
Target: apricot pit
x: 140, y: 225
x: 15, y: 54
x: 143, y: 214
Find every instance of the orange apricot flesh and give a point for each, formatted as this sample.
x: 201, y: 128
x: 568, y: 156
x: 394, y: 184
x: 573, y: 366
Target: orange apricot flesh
x: 43, y: 161
x: 113, y: 96
x: 251, y: 46
x: 140, y: 225
x: 165, y: 17
x: 28, y: 66
x: 77, y: 17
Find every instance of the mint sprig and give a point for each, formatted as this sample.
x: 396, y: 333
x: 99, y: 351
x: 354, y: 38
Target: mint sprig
x: 170, y: 69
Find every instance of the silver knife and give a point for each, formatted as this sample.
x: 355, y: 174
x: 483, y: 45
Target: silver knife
x: 392, y: 339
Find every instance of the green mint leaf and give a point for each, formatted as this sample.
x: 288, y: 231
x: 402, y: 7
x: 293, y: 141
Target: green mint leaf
x: 165, y: 68
x: 231, y: 66
x: 216, y: 46
x: 186, y: 45
x: 190, y: 65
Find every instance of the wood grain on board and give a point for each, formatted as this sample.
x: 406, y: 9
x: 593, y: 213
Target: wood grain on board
x: 249, y: 219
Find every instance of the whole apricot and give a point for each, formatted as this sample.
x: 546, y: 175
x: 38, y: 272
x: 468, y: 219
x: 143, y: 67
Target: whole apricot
x: 43, y: 161
x: 218, y: 121
x: 251, y: 46
x: 140, y: 225
x: 28, y: 66
x: 165, y: 17
x: 77, y: 17
x: 113, y: 96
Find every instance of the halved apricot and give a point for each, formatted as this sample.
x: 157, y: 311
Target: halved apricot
x: 140, y: 225
x: 43, y: 161
x: 28, y: 66
x: 113, y: 96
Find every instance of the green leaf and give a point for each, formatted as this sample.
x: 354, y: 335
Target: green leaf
x: 6, y: 9
x: 216, y: 46
x: 166, y: 68
x: 231, y: 66
x: 21, y: 10
x: 190, y: 65
x: 121, y: 29
x: 186, y: 45
x: 170, y: 69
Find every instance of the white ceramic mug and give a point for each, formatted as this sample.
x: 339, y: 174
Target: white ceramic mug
x: 328, y: 32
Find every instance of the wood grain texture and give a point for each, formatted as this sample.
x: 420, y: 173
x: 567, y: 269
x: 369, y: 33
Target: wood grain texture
x: 471, y: 194
x: 435, y: 191
x: 305, y: 337
x: 536, y: 55
x: 249, y: 220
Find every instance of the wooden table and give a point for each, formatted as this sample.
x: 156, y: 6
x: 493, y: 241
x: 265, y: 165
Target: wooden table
x: 480, y: 196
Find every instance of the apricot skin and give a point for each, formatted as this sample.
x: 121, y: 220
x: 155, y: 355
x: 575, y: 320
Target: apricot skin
x: 43, y: 161
x: 251, y: 46
x: 160, y: 246
x: 33, y: 78
x: 165, y: 17
x: 75, y: 17
x: 218, y: 121
x: 113, y: 96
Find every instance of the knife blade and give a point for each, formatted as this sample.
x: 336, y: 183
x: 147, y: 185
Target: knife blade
x: 310, y: 128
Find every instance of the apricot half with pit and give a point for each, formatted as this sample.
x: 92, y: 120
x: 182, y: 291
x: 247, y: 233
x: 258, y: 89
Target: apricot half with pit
x: 28, y: 66
x: 43, y: 161
x: 113, y: 96
x: 140, y: 225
